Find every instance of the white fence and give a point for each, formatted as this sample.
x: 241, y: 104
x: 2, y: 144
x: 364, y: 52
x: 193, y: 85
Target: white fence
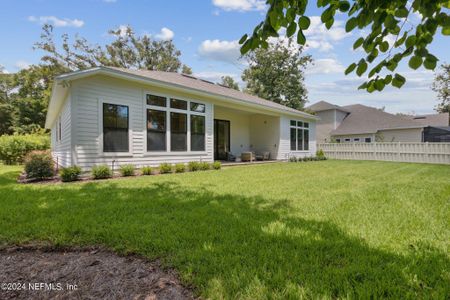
x: 433, y: 153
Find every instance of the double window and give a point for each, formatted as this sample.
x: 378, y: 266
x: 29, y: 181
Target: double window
x: 186, y: 120
x: 115, y: 128
x: 299, y: 135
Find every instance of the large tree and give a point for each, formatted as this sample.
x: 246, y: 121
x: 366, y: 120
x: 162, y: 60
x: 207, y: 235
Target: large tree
x: 6, y: 108
x: 276, y: 73
x: 229, y: 82
x: 441, y: 86
x: 127, y: 50
x: 379, y: 21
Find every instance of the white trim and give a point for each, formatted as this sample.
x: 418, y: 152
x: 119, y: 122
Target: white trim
x: 101, y: 153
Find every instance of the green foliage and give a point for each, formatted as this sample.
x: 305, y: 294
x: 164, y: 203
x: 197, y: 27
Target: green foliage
x: 294, y: 159
x: 39, y: 165
x: 70, y: 173
x: 204, y: 166
x: 441, y: 86
x: 180, y: 168
x: 229, y: 82
x: 276, y: 73
x: 165, y: 168
x: 320, y: 154
x: 14, y: 148
x: 101, y: 172
x: 127, y: 170
x: 193, y: 166
x: 217, y: 165
x: 382, y: 20
x: 147, y: 170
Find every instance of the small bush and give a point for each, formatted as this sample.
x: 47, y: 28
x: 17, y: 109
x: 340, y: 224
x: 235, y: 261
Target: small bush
x: 217, y: 165
x: 101, y: 172
x: 204, y: 166
x: 39, y: 165
x: 294, y: 159
x: 70, y: 173
x: 165, y: 168
x: 14, y: 148
x: 320, y: 155
x: 194, y: 166
x: 127, y: 170
x: 180, y: 168
x: 146, y: 170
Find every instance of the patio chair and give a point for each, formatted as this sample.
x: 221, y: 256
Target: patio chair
x: 248, y: 156
x: 263, y: 155
x: 231, y: 156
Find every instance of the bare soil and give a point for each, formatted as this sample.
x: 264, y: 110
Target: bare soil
x: 34, y: 273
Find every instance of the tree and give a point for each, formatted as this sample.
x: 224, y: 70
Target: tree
x: 6, y: 108
x: 126, y: 51
x: 229, y: 82
x: 186, y: 70
x: 277, y: 74
x: 441, y: 86
x: 381, y: 20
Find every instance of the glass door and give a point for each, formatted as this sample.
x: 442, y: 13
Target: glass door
x: 221, y: 139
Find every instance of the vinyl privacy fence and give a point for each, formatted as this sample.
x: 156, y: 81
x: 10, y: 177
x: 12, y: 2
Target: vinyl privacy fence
x: 433, y: 153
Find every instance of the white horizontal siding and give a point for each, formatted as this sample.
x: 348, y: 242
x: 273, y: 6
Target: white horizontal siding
x: 284, y: 151
x: 61, y: 149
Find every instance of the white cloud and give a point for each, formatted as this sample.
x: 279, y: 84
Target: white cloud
x: 165, y: 34
x: 57, y: 22
x: 325, y: 66
x: 227, y: 51
x: 321, y: 38
x: 240, y: 5
x: 21, y: 64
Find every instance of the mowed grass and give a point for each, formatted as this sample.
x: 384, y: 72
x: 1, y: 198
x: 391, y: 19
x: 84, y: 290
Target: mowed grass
x: 332, y: 229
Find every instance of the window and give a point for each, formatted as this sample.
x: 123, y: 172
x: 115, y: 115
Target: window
x: 115, y: 128
x: 368, y: 140
x: 178, y: 132
x: 338, y: 140
x: 156, y: 100
x: 197, y: 107
x: 156, y: 130
x: 347, y: 140
x: 178, y: 104
x: 197, y: 133
x: 59, y: 129
x: 299, y: 135
x: 356, y: 139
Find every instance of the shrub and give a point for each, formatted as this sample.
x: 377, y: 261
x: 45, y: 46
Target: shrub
x: 294, y: 159
x: 14, y: 148
x: 146, y: 170
x: 217, y: 165
x: 165, y: 168
x: 39, y: 165
x: 204, y: 166
x: 70, y: 173
x: 101, y: 172
x: 320, y: 155
x: 127, y: 170
x: 194, y: 166
x: 180, y: 168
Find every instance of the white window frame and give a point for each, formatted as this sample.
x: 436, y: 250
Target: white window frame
x: 303, y: 128
x: 100, y: 129
x: 168, y: 110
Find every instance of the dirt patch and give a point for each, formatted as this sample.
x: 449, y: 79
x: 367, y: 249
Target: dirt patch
x: 84, y: 274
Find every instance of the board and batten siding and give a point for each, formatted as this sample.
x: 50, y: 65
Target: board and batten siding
x: 88, y: 96
x: 61, y: 148
x: 284, y: 151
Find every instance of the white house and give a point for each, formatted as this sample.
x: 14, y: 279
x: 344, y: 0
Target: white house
x: 105, y: 114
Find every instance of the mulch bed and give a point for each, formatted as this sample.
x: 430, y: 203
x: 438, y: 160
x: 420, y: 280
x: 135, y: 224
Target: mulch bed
x: 45, y: 273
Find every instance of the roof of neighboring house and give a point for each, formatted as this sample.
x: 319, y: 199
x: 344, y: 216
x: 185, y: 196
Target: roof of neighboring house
x: 364, y: 119
x: 183, y: 81
x: 441, y: 119
x: 323, y: 105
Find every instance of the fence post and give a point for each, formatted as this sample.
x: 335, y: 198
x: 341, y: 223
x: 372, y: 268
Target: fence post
x: 398, y: 151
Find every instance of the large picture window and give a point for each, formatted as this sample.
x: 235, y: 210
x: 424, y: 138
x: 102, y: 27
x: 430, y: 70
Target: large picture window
x: 197, y: 133
x: 299, y: 136
x: 156, y: 130
x: 115, y: 128
x: 178, y: 132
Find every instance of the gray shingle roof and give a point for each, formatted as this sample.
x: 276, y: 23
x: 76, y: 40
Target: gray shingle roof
x: 364, y: 119
x: 432, y: 120
x: 323, y: 105
x: 210, y: 87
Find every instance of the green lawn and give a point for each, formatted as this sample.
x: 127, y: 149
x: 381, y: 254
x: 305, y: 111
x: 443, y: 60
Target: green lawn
x: 331, y: 229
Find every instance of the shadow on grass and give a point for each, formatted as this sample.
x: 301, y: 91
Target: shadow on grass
x: 226, y: 245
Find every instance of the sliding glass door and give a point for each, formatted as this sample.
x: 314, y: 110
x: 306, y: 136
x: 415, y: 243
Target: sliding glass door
x: 221, y: 139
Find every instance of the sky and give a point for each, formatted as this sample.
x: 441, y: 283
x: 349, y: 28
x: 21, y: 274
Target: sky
x: 206, y: 32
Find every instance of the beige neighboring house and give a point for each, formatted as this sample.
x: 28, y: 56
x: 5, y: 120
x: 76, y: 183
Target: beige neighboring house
x: 360, y: 123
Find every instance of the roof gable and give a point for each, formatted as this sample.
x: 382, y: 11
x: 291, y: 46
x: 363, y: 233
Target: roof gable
x: 323, y: 105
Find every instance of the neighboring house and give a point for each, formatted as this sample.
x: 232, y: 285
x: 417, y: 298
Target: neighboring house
x: 106, y: 114
x: 360, y: 123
